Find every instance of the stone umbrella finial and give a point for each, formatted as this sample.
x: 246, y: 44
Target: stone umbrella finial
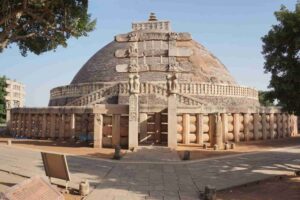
x: 152, y: 17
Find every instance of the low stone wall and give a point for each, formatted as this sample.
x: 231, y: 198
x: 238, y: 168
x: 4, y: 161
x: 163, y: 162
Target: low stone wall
x: 73, y: 123
x: 200, y: 128
x: 107, y: 125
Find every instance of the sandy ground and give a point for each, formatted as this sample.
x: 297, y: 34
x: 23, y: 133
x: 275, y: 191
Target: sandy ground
x: 242, y: 147
x: 82, y: 148
x: 8, y: 180
x: 197, y: 152
x: 278, y: 188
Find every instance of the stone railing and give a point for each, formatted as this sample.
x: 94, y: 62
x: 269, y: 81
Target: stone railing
x: 77, y: 90
x: 185, y: 88
x: 200, y: 128
x: 96, y: 96
x: 150, y: 88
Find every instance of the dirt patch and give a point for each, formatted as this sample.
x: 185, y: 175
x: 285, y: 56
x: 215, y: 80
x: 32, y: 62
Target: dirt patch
x: 197, y: 152
x: 278, y: 188
x: 74, y: 148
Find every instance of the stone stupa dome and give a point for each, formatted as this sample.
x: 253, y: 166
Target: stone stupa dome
x: 154, y: 52
x: 194, y: 61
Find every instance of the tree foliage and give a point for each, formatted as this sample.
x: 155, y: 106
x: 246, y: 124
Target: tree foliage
x: 2, y: 99
x: 41, y: 25
x: 265, y: 99
x: 281, y: 50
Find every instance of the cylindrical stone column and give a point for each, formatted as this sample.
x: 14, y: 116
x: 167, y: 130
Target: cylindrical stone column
x: 186, y: 128
x: 224, y: 117
x: 272, y: 134
x: 264, y: 126
x: 255, y: 126
x: 236, y: 127
x: 246, y: 126
x: 199, y: 125
x: 98, y: 130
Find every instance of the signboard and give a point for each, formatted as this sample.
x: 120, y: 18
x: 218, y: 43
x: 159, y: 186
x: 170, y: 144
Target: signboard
x: 56, y: 166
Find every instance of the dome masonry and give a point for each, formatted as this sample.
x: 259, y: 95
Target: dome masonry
x: 155, y: 52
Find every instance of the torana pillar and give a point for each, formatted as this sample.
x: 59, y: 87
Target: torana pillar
x: 133, y: 131
x: 172, y: 111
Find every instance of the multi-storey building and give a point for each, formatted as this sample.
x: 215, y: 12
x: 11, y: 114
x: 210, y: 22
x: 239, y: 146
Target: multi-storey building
x: 15, y: 94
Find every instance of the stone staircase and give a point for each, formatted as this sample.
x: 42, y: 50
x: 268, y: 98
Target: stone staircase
x: 104, y: 93
x: 181, y: 98
x: 96, y: 96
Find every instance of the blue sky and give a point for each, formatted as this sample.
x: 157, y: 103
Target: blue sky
x: 230, y: 29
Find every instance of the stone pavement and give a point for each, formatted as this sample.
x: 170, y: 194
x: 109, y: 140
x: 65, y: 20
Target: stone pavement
x: 152, y: 154
x: 8, y: 180
x: 159, y: 180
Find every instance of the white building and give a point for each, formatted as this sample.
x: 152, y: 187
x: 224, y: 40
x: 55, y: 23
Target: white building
x: 15, y: 94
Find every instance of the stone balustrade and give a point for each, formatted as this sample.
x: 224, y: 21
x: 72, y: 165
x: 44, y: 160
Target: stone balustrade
x: 200, y: 128
x: 197, y: 89
x: 108, y: 125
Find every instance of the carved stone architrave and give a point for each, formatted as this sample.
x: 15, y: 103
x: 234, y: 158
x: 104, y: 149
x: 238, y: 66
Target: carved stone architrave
x: 133, y: 66
x: 173, y: 36
x: 133, y: 37
x: 133, y: 49
x: 172, y: 83
x: 173, y: 67
x: 134, y: 84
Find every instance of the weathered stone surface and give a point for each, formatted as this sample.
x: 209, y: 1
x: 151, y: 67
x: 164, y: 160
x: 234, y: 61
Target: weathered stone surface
x: 35, y: 188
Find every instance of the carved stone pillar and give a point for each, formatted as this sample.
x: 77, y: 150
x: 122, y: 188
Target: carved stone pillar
x: 224, y: 118
x: 116, y: 133
x: 264, y: 126
x: 218, y: 132
x: 295, y: 125
x: 272, y: 134
x: 236, y: 127
x: 255, y: 126
x: 279, y: 125
x: 98, y: 130
x: 172, y: 121
x: 143, y: 127
x: 186, y: 128
x: 133, y: 126
x: 133, y: 121
x: 72, y: 127
x: 284, y: 125
x: 246, y: 126
x: 212, y: 129
x: 199, y: 125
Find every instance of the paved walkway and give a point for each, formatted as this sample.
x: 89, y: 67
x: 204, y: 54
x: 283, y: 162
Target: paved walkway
x: 152, y: 154
x: 160, y: 180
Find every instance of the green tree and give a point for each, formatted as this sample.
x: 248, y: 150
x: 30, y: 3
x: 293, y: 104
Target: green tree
x: 40, y: 25
x: 2, y: 99
x: 264, y: 98
x: 281, y: 50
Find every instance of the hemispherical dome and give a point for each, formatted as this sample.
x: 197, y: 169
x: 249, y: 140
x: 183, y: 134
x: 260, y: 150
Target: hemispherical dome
x: 200, y: 66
